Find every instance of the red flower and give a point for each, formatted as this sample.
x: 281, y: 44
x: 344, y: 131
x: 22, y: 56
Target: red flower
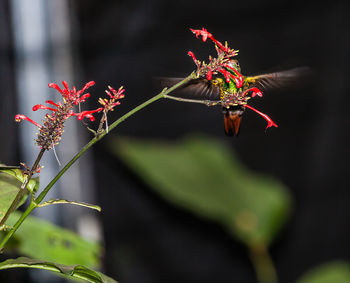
x: 52, y: 129
x: 109, y: 104
x: 20, y: 117
x: 74, y: 96
x: 205, y: 35
x: 219, y: 64
x: 270, y: 123
x: 190, y: 53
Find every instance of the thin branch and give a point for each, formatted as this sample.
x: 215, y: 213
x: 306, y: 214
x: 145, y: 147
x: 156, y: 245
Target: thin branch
x: 263, y: 264
x: 206, y: 102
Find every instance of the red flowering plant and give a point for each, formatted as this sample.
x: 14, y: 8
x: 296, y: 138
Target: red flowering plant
x: 49, y: 135
x: 221, y: 79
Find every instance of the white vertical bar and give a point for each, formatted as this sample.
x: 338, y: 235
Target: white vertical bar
x: 42, y: 34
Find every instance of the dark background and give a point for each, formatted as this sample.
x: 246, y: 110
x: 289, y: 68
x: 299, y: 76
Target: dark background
x: 130, y: 42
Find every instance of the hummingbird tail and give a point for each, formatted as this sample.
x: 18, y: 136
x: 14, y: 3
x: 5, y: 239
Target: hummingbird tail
x: 232, y: 119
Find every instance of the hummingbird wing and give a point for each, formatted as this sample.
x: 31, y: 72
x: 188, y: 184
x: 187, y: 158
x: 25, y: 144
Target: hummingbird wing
x: 277, y: 79
x: 200, y: 89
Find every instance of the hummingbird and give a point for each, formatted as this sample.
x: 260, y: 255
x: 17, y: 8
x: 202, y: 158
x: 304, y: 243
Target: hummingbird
x: 220, y: 82
x: 232, y: 90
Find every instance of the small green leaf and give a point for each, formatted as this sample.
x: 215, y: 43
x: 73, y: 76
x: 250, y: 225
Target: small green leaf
x: 63, y: 201
x: 41, y: 239
x: 204, y: 176
x: 333, y: 272
x: 75, y: 271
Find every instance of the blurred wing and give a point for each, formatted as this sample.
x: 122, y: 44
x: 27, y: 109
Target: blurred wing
x: 278, y: 79
x: 200, y: 89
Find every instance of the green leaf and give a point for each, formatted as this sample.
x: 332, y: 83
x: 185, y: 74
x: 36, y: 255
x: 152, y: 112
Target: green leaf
x: 204, y: 176
x: 75, y: 271
x: 40, y: 239
x: 332, y: 272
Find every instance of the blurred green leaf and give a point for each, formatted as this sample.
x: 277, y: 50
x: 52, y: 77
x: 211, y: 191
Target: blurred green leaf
x: 40, y: 239
x: 75, y: 271
x: 204, y: 176
x: 333, y: 272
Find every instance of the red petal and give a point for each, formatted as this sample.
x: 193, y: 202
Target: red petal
x: 55, y: 86
x: 86, y: 86
x: 239, y: 79
x: 52, y: 103
x: 255, y: 91
x: 270, y: 123
x: 87, y: 114
x: 83, y: 97
x: 40, y: 106
x: 190, y: 53
x: 203, y: 32
x: 20, y: 117
x: 65, y: 85
x: 226, y: 74
x: 209, y: 75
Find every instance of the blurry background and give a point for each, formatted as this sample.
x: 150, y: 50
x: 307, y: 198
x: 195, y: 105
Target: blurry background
x: 128, y: 43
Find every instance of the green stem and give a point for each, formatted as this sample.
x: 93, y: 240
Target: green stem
x: 263, y: 264
x: 35, y: 202
x: 205, y: 102
x: 18, y: 223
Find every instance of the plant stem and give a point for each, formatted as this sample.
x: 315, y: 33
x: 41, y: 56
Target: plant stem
x: 35, y: 202
x: 22, y: 190
x: 18, y: 223
x: 205, y: 102
x: 263, y: 264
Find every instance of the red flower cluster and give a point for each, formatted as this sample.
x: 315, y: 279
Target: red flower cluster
x: 228, y: 67
x: 219, y: 64
x: 52, y: 129
x: 205, y: 35
x: 109, y: 104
